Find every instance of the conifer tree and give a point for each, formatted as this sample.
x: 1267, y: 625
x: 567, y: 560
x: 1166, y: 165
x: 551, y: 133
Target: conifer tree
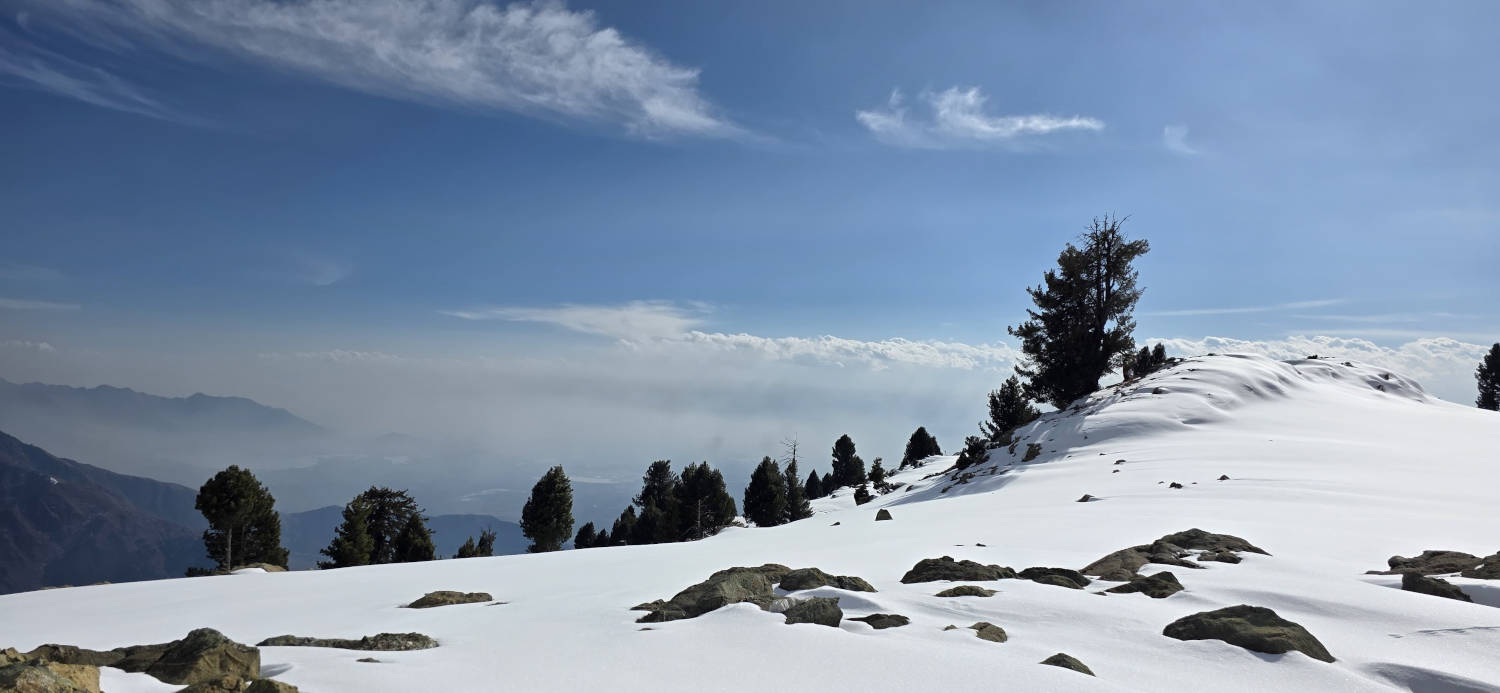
x: 243, y: 526
x: 797, y: 507
x: 351, y: 543
x: 624, y: 526
x: 468, y: 550
x: 414, y: 542
x: 486, y: 545
x: 765, y: 497
x: 659, y: 491
x: 651, y: 526
x: 704, y: 502
x: 585, y: 537
x: 603, y: 538
x: 919, y: 446
x: 848, y: 468
x: 1141, y: 364
x: 1083, y: 318
x: 813, y: 489
x: 877, y: 474
x: 827, y: 487
x: 547, y: 517
x: 1158, y: 356
x: 1488, y: 377
x: 1009, y: 410
x: 976, y: 450
x: 381, y: 514
x: 861, y: 494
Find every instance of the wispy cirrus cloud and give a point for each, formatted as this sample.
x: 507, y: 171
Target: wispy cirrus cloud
x: 1295, y: 305
x: 27, y: 345
x: 35, y: 67
x: 634, y: 321
x: 29, y: 304
x: 955, y: 118
x: 536, y: 58
x: 1174, y: 138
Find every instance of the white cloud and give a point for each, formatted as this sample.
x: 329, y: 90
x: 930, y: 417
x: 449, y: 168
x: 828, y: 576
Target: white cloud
x: 1174, y: 138
x: 956, y: 118
x: 636, y: 321
x: 49, y: 71
x: 537, y: 58
x: 27, y: 345
x: 838, y: 351
x: 1295, y: 305
x: 26, y: 304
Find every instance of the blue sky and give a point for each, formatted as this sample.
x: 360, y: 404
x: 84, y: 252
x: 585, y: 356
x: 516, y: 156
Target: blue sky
x: 197, y: 194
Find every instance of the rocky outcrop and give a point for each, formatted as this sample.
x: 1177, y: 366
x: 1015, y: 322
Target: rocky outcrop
x: 945, y: 568
x: 882, y: 514
x: 1488, y: 570
x: 1252, y: 627
x: 966, y: 591
x: 809, y: 578
x: 1158, y: 586
x: 43, y: 676
x: 203, y: 656
x: 1433, y: 563
x: 823, y: 611
x: 1437, y: 587
x: 384, y: 642
x: 1061, y: 577
x: 270, y: 686
x: 1067, y: 662
x: 449, y: 597
x: 986, y: 631
x: 1172, y: 549
x: 728, y: 586
x: 883, y: 621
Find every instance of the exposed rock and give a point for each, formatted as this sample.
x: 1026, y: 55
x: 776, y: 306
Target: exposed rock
x: 882, y: 514
x: 1254, y: 628
x: 1434, y: 563
x: 823, y: 611
x: 945, y: 568
x: 1488, y: 570
x: 203, y: 656
x: 1174, y: 485
x: 1199, y: 540
x: 1219, y: 557
x: 448, y: 597
x: 268, y: 567
x: 1067, y: 662
x: 1171, y: 549
x: 41, y: 676
x: 728, y: 586
x: 989, y: 631
x: 652, y: 605
x: 228, y: 683
x: 809, y: 578
x: 1158, y: 586
x: 1118, y: 566
x: 270, y: 686
x: 1061, y: 577
x: 883, y: 621
x: 1085, y: 498
x: 384, y: 642
x: 1119, y: 461
x: 965, y: 591
x: 1437, y: 587
x: 68, y: 654
x: 372, y: 660
x: 1223, y: 477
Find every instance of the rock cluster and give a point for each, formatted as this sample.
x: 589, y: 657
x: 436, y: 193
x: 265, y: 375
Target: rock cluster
x: 1061, y: 577
x: 755, y: 586
x: 1437, y: 587
x: 966, y: 591
x: 945, y: 568
x: 1158, y: 586
x: 205, y: 661
x: 985, y: 630
x: 809, y: 578
x: 1172, y: 549
x: 384, y: 642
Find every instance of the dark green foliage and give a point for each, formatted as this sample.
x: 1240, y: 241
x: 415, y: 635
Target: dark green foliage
x: 547, y: 517
x: 827, y: 487
x: 624, y: 526
x: 485, y: 546
x: 1147, y: 361
x: 1488, y: 377
x: 603, y: 538
x: 862, y: 494
x: 585, y: 537
x: 919, y: 446
x: 659, y: 494
x: 976, y: 450
x: 243, y: 526
x: 704, y: 503
x: 651, y: 526
x: 376, y: 516
x: 1009, y: 410
x: 848, y: 468
x: 813, y: 489
x: 797, y: 507
x: 468, y: 550
x: 414, y: 542
x: 1158, y: 356
x: 765, y: 497
x: 1083, y: 317
x: 877, y: 474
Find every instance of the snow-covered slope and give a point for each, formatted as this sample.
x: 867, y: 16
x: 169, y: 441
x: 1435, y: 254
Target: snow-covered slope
x: 1332, y: 469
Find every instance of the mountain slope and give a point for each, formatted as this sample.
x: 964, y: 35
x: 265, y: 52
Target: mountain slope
x: 121, y: 407
x: 1331, y: 468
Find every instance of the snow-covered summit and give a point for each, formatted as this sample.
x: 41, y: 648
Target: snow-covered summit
x: 1331, y: 468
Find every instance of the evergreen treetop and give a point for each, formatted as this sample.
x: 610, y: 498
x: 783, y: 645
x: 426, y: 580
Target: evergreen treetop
x: 547, y: 517
x: 1488, y: 377
x: 243, y: 525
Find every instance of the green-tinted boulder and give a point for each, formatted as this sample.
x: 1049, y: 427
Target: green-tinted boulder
x: 823, y: 611
x: 966, y: 591
x: 809, y: 578
x: 1434, y: 563
x: 1437, y: 587
x: 1199, y: 540
x: 449, y: 597
x: 270, y: 686
x: 1118, y: 566
x: 1254, y: 628
x: 1067, y: 662
x: 729, y: 586
x: 945, y: 568
x: 989, y: 631
x: 1158, y: 586
x: 68, y: 654
x: 204, y: 655
x: 883, y: 621
x: 1061, y: 577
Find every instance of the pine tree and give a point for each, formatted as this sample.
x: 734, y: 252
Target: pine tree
x: 659, y: 489
x: 843, y: 461
x: 1141, y: 364
x: 704, y: 503
x: 381, y: 514
x: 813, y: 489
x: 486, y: 546
x: 920, y: 446
x: 585, y: 537
x: 351, y: 543
x: 877, y: 474
x: 414, y: 542
x: 603, y: 538
x: 1009, y: 410
x: 1488, y: 377
x: 651, y: 526
x: 765, y: 497
x: 624, y: 526
x: 547, y: 517
x: 1083, y: 317
x: 468, y: 550
x: 797, y: 507
x: 243, y: 526
x: 1158, y: 356
x: 862, y: 494
x: 827, y: 487
x: 976, y: 450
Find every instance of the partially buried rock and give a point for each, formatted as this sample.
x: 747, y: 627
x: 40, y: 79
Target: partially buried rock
x: 1254, y: 628
x: 882, y: 514
x: 1219, y: 557
x: 449, y: 597
x: 1223, y: 477
x: 41, y: 676
x: 1437, y: 587
x: 966, y: 591
x: 1171, y: 549
x: 1067, y: 662
x: 1085, y: 498
x: 1061, y: 577
x: 989, y: 631
x: 384, y: 642
x: 1174, y: 485
x: 219, y: 684
x: 204, y: 655
x: 1158, y: 586
x: 823, y: 611
x: 809, y: 578
x: 372, y: 660
x: 270, y: 686
x: 1434, y: 563
x: 1199, y: 540
x: 883, y: 621
x: 728, y: 586
x: 1488, y: 570
x: 945, y: 568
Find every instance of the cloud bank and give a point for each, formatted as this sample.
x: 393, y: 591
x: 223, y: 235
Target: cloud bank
x: 955, y: 118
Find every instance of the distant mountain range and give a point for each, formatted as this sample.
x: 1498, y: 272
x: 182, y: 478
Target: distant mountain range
x: 67, y: 523
x: 122, y: 407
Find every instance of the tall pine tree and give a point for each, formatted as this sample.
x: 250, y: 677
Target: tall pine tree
x: 243, y: 526
x: 1083, y: 319
x: 585, y: 537
x: 765, y: 497
x: 547, y: 517
x: 797, y: 507
x: 704, y: 503
x: 1009, y: 410
x: 920, y: 446
x: 374, y: 519
x: 659, y: 493
x: 813, y: 489
x: 848, y: 468
x: 1488, y: 377
x: 414, y: 542
x: 624, y: 527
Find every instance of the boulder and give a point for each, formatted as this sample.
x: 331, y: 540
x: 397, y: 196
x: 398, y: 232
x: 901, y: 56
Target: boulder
x: 449, y: 597
x: 1067, y: 662
x: 966, y: 591
x: 1437, y: 587
x: 1171, y: 549
x: 1219, y: 557
x: 41, y: 676
x: 883, y: 621
x: 384, y: 642
x: 1174, y: 485
x: 1434, y: 563
x: 882, y: 514
x: 1223, y: 477
x: 1085, y: 498
x: 372, y: 660
x: 728, y: 586
x: 1254, y: 628
x: 1488, y: 570
x: 68, y: 654
x: 809, y: 578
x: 945, y: 568
x: 1158, y: 586
x: 204, y: 655
x: 989, y: 631
x: 1118, y: 566
x: 270, y: 686
x: 1199, y: 540
x: 219, y: 684
x: 823, y: 611
x: 1061, y: 577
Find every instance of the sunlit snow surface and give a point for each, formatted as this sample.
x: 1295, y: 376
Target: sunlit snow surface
x: 1332, y: 469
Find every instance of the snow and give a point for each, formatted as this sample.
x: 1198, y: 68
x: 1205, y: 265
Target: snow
x: 1332, y: 469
